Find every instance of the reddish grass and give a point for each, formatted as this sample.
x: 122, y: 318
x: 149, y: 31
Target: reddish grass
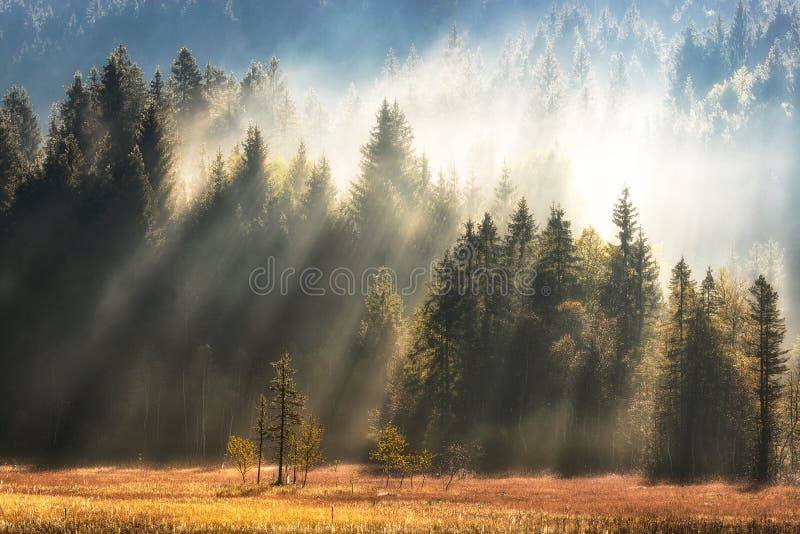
x: 609, y: 495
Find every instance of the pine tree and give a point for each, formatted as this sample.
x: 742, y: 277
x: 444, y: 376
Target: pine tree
x: 773, y: 75
x: 619, y: 291
x: 557, y: 262
x: 412, y: 63
x: 739, y: 37
x: 78, y: 115
x: 619, y: 81
x: 261, y: 429
x: 10, y: 163
x: 387, y: 185
x: 580, y: 75
x: 186, y: 85
x: 156, y: 147
x: 549, y: 94
x: 251, y: 187
x: 769, y: 330
x: 217, y: 181
x: 121, y: 97
x: 504, y: 195
x: 319, y: 195
x: 391, y: 66
x: 25, y: 122
x: 677, y: 383
x: 298, y: 173
x: 521, y: 233
x: 287, y: 401
x: 708, y: 293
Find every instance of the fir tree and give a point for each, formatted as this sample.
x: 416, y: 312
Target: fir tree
x: 287, y: 402
x: 739, y: 37
x: 504, y: 195
x: 549, y: 94
x: 557, y: 262
x: 251, y: 187
x: 10, y: 163
x: 25, y: 122
x: 261, y: 429
x: 156, y: 146
x: 766, y: 347
x: 186, y: 85
x: 580, y: 75
x: 521, y: 233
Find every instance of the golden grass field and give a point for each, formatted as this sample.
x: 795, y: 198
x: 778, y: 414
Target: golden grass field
x: 115, y: 499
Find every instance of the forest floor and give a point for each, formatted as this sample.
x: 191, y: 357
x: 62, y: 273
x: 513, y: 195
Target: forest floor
x: 351, y: 499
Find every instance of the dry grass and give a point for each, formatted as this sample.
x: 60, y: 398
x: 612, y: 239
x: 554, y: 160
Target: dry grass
x: 201, y: 500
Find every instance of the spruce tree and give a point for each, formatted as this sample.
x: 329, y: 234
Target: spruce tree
x: 556, y: 260
x: 121, y: 97
x: 156, y: 147
x: 549, y: 96
x: 319, y: 194
x: 298, y: 173
x: 25, y: 122
x: 739, y: 37
x: 251, y: 188
x: 186, y: 85
x: 10, y: 163
x: 521, y: 233
x: 261, y: 429
x: 504, y: 195
x: 287, y: 403
x: 580, y: 75
x: 766, y: 347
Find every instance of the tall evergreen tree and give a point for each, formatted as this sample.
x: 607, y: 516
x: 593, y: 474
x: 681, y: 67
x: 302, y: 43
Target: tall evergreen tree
x: 318, y: 197
x: 739, y: 37
x: 25, y: 122
x: 186, y: 85
x: 504, y: 195
x: 556, y: 260
x: 386, y: 186
x: 261, y: 429
x: 10, y: 162
x: 766, y: 347
x: 549, y: 95
x: 287, y: 402
x: 121, y: 97
x: 580, y: 75
x: 251, y: 187
x: 156, y: 147
x: 521, y: 233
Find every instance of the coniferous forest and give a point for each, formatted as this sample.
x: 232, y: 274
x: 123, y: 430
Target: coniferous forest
x: 571, y: 244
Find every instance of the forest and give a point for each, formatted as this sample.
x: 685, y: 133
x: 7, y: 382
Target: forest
x: 452, y: 249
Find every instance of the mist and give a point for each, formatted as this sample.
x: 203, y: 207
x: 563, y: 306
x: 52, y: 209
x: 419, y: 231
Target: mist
x: 162, y: 183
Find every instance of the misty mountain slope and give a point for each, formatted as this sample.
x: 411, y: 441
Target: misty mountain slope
x: 41, y: 39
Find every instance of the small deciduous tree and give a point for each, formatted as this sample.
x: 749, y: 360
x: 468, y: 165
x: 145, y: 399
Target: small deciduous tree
x: 244, y: 454
x: 420, y: 463
x: 390, y: 451
x: 308, y: 446
x: 457, y: 458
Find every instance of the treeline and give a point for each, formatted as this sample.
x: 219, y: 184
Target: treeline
x: 127, y: 308
x: 588, y: 369
x: 129, y: 326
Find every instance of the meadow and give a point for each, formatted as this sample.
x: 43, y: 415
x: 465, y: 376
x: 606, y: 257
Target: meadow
x: 351, y: 499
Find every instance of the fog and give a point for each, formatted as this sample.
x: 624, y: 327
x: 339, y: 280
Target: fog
x: 133, y: 331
